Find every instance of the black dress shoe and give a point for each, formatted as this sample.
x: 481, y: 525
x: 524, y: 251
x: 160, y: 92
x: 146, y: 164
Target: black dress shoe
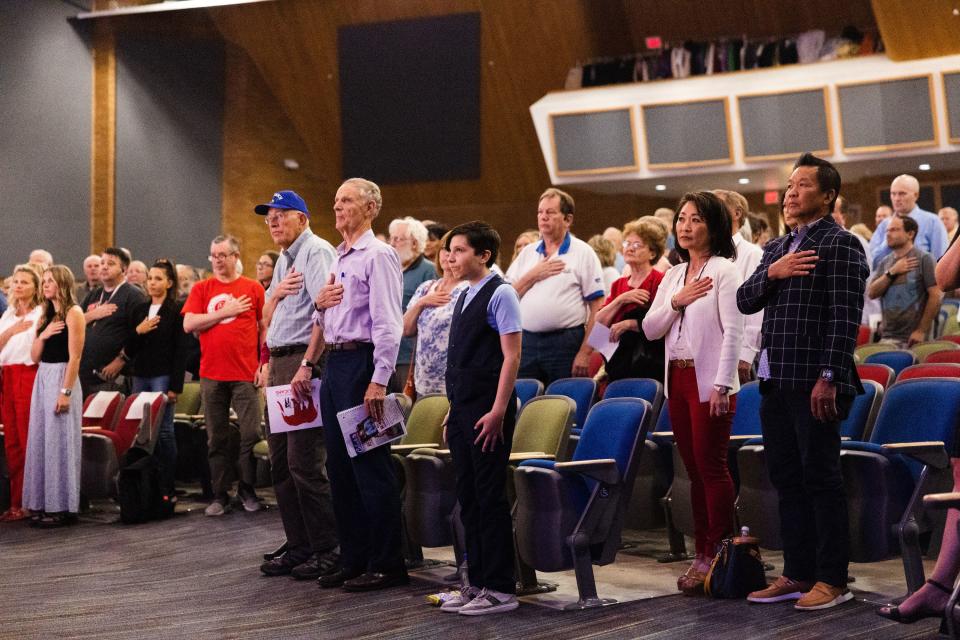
x: 338, y: 577
x: 282, y: 565
x: 375, y: 580
x: 277, y: 552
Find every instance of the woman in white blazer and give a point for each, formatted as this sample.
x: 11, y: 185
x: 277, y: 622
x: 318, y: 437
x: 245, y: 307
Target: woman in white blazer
x: 695, y: 310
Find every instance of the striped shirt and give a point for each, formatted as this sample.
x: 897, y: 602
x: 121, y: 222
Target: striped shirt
x: 312, y: 256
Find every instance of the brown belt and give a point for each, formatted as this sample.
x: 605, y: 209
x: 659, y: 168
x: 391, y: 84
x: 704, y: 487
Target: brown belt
x: 681, y: 364
x: 343, y: 346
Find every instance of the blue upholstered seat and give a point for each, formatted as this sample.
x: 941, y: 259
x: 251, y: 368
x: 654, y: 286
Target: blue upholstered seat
x: 528, y: 388
x: 897, y: 360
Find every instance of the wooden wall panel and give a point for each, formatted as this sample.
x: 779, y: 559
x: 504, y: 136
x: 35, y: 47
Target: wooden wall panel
x: 910, y: 33
x: 526, y: 49
x: 103, y: 144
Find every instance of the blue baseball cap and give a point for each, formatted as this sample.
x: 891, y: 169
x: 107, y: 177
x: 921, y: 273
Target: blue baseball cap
x: 283, y: 200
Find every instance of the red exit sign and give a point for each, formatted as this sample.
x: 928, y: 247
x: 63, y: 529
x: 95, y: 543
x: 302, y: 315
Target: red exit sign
x: 771, y: 197
x: 653, y: 42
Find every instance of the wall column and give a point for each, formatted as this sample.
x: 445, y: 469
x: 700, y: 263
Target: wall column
x: 103, y: 144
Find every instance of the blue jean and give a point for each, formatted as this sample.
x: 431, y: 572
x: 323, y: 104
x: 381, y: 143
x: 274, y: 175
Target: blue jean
x: 549, y: 356
x: 166, y: 449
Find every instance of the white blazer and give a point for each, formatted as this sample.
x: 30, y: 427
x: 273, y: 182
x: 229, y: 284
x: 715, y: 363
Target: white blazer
x: 713, y: 325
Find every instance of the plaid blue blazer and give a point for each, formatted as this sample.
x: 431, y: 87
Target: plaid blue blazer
x: 810, y: 322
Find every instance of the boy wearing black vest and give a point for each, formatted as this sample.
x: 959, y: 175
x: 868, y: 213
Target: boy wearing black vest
x: 482, y: 361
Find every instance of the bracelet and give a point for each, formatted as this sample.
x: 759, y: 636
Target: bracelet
x: 674, y: 306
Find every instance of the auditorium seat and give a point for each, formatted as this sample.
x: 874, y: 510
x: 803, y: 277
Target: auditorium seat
x: 906, y: 455
x: 102, y: 448
x: 866, y: 350
x: 424, y: 429
x: 879, y: 373
x: 528, y: 388
x: 654, y: 475
x: 406, y: 404
x: 864, y: 335
x: 569, y: 515
x: 581, y: 390
x: 922, y: 350
x: 931, y: 370
x: 757, y: 500
x: 647, y: 388
x: 542, y: 429
x: 943, y: 356
x: 101, y: 410
x: 192, y: 464
x: 950, y: 337
x: 896, y: 359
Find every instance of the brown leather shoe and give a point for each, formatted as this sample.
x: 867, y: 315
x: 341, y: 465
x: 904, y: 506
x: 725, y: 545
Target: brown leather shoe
x: 823, y: 596
x: 782, y: 589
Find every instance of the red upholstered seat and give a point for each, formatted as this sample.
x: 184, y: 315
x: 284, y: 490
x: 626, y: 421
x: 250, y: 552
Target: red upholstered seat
x: 879, y: 373
x: 125, y: 430
x: 931, y: 370
x: 102, y: 410
x: 863, y: 335
x: 944, y: 356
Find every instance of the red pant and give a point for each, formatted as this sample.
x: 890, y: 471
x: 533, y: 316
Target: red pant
x: 15, y: 414
x: 702, y: 442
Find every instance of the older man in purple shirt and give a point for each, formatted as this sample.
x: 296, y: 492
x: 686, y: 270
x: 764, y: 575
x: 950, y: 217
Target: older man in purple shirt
x: 358, y: 323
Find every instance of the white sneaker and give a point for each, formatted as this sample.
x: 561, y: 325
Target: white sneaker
x: 214, y: 509
x: 489, y: 601
x: 463, y: 598
x: 250, y: 503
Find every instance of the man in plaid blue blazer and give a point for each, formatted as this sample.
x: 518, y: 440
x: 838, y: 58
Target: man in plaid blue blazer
x: 810, y: 287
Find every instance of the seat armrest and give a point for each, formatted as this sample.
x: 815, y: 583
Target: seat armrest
x: 930, y: 453
x: 520, y: 456
x: 845, y: 438
x: 941, y: 501
x: 604, y: 470
x: 662, y: 435
x: 404, y: 449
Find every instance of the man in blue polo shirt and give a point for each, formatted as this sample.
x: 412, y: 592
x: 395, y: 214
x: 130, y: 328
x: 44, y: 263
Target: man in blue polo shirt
x: 931, y: 236
x: 560, y: 284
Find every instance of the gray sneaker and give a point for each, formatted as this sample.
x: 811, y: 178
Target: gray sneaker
x: 489, y: 601
x: 215, y: 508
x: 463, y: 597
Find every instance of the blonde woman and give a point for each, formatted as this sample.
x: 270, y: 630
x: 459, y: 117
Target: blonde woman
x: 18, y: 326
x: 51, y: 482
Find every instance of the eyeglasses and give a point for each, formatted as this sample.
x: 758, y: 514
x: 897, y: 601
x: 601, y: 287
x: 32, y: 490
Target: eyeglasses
x: 276, y: 217
x: 265, y: 263
x: 215, y: 257
x: 636, y: 244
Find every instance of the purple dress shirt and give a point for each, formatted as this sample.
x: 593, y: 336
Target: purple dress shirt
x: 370, y: 310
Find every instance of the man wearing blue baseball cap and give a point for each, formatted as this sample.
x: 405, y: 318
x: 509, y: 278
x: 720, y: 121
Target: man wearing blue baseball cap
x: 297, y: 458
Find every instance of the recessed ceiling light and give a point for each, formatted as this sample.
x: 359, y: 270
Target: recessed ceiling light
x: 924, y: 167
x: 661, y: 187
x: 744, y: 180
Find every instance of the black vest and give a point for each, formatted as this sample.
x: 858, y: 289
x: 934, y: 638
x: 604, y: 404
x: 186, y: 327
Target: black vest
x: 474, y: 358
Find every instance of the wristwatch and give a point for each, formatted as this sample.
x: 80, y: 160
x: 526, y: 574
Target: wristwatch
x: 306, y: 363
x: 826, y: 374
x: 66, y: 392
x: 722, y: 389
x: 890, y: 275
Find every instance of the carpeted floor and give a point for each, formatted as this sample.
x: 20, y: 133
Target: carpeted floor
x: 197, y: 577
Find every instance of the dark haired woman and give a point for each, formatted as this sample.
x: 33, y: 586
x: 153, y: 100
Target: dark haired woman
x: 157, y: 355
x: 265, y: 266
x: 695, y: 309
x: 51, y: 474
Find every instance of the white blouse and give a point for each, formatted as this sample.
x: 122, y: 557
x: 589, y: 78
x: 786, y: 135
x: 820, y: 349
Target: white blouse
x: 17, y: 349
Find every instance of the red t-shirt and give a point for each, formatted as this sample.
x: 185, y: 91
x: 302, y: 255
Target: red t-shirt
x: 621, y: 285
x: 228, y: 350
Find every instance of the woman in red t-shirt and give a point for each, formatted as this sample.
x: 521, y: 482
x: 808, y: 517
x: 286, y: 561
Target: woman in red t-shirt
x: 644, y: 241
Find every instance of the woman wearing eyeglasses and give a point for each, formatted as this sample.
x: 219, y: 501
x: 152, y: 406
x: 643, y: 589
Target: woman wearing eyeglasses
x: 629, y: 300
x: 695, y: 310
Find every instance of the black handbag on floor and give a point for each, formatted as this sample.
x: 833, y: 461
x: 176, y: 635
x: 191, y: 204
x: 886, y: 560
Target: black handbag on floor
x: 737, y: 569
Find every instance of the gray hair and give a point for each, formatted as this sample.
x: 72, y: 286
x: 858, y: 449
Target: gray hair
x: 234, y: 243
x: 415, y: 228
x: 369, y: 191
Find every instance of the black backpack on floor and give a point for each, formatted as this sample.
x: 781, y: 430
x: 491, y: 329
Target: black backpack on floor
x: 138, y: 484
